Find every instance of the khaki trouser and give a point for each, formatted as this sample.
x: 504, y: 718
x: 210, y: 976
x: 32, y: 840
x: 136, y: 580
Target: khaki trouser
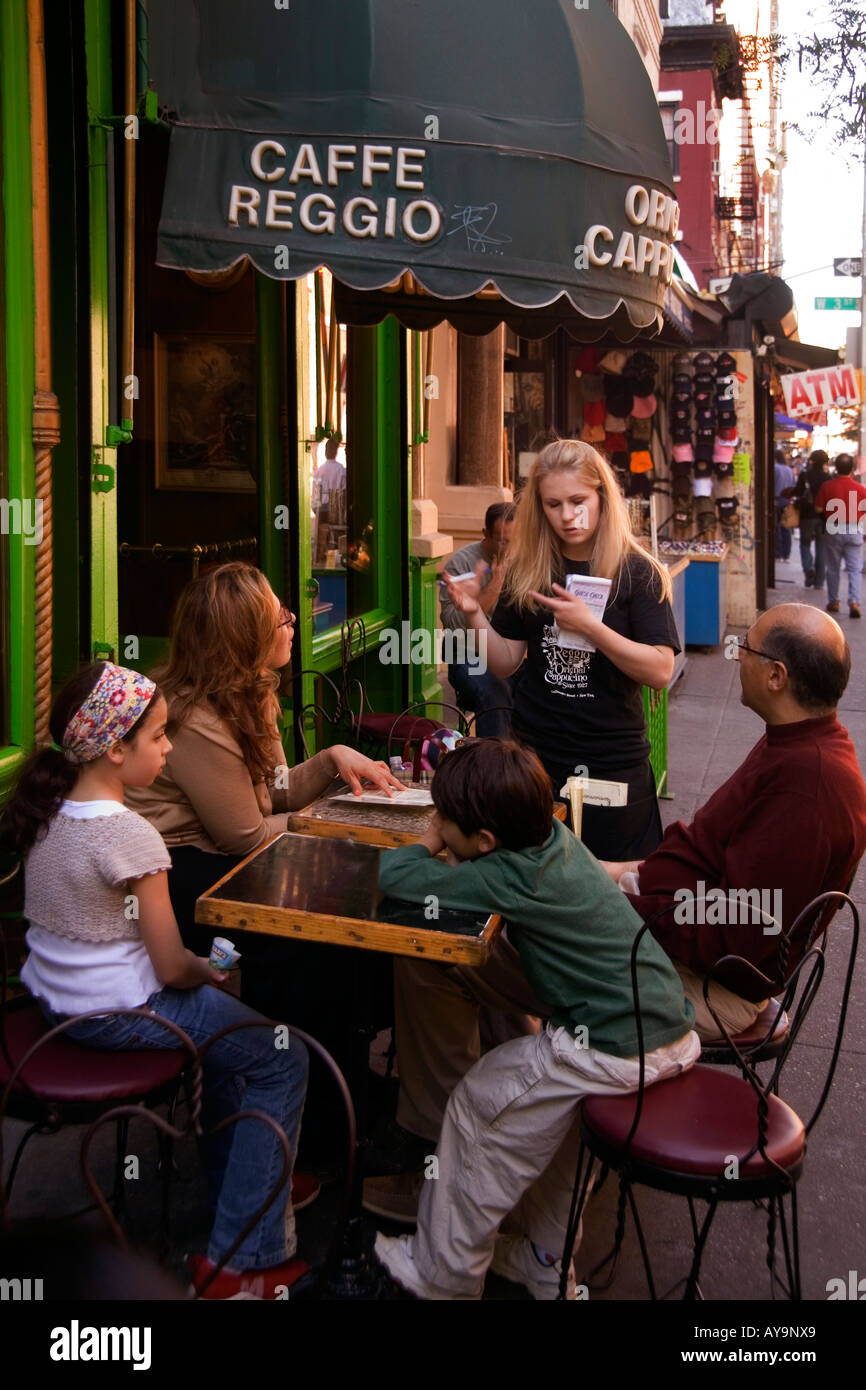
x: 509, y: 1144
x: 735, y: 1013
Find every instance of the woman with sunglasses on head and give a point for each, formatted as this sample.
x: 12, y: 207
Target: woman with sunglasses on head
x: 226, y: 789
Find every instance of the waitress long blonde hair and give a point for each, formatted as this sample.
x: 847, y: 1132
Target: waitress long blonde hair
x: 534, y: 556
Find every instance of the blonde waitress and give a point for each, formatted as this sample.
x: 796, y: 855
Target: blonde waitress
x: 582, y: 710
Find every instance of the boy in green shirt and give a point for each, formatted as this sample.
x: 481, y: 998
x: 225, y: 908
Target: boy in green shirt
x: 509, y: 1138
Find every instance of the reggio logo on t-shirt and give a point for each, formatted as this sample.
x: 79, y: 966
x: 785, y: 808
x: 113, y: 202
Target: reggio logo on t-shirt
x: 565, y: 670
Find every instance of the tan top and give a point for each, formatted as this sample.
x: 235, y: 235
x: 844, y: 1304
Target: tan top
x: 206, y: 796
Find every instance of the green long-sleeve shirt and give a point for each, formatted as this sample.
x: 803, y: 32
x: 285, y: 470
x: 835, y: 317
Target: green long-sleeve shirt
x: 574, y: 931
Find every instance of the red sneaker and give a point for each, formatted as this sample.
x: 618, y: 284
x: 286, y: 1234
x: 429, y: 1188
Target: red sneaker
x: 249, y: 1283
x: 305, y: 1190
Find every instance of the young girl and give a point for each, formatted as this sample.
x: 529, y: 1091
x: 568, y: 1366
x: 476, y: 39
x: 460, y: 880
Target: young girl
x: 576, y: 709
x: 102, y: 935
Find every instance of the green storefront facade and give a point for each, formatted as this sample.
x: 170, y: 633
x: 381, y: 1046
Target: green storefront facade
x: 199, y: 365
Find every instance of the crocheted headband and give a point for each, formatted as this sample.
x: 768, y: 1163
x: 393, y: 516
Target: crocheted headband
x: 114, y: 704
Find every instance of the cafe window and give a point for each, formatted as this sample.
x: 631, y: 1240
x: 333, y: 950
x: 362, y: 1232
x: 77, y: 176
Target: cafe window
x: 340, y: 458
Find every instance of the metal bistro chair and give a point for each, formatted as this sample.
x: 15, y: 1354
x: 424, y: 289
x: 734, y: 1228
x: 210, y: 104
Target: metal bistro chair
x: 311, y: 1285
x: 766, y: 1038
x: 679, y: 1135
x: 48, y: 1081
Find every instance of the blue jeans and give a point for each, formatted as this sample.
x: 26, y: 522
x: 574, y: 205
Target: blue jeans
x: 812, y: 530
x: 488, y: 696
x: 783, y: 533
x: 848, y: 547
x: 246, y: 1070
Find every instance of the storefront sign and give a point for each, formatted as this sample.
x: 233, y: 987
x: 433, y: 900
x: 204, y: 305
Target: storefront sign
x: 806, y: 392
x: 377, y: 214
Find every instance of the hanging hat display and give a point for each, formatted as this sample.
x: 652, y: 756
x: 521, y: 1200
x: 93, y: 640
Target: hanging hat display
x: 702, y: 487
x: 614, y: 361
x: 683, y: 453
x: 727, y: 509
x: 618, y: 396
x: 644, y: 407
x: 592, y: 386
x: 615, y: 442
x: 640, y: 461
x: 594, y: 412
x: 587, y: 360
x: 725, y: 364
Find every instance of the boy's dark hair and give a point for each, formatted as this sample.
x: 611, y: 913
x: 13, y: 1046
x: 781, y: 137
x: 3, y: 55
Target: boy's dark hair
x: 844, y: 465
x: 497, y: 785
x: 819, y: 458
x: 332, y: 446
x: 498, y: 511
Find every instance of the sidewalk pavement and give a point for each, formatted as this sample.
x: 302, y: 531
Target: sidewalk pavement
x: 710, y: 733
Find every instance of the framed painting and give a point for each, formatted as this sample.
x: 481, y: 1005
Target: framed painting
x: 205, y: 411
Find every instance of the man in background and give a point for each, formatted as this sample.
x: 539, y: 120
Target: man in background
x: 480, y: 690
x: 784, y: 478
x: 843, y: 502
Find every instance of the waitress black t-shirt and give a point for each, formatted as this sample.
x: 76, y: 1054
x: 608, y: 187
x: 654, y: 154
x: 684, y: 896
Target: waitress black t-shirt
x: 577, y: 707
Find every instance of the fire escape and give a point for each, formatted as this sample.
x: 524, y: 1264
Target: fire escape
x: 739, y: 209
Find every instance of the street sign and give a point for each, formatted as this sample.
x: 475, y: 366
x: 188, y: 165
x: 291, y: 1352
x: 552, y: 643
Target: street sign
x: 848, y: 265
x: 848, y: 302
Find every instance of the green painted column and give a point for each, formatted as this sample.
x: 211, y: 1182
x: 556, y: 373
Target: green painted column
x: 20, y: 377
x: 269, y: 344
x: 104, y: 633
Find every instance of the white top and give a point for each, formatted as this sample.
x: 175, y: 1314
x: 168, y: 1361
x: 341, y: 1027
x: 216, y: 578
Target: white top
x: 74, y: 976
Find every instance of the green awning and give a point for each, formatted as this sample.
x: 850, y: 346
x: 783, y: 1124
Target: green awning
x: 491, y: 143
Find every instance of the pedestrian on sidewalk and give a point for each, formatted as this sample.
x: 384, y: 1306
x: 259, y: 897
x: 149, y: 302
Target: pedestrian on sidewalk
x: 843, y: 501
x: 812, y: 527
x: 784, y: 482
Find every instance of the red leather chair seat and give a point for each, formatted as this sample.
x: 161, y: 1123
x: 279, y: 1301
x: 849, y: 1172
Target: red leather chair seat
x: 691, y: 1123
x: 65, y: 1072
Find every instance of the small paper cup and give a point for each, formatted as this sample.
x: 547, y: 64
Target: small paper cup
x: 223, y: 956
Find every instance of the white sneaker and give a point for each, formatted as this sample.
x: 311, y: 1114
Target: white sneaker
x: 395, y: 1253
x: 515, y: 1258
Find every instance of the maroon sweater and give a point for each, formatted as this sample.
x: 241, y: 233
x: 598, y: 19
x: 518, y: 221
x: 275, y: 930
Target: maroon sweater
x: 791, y: 818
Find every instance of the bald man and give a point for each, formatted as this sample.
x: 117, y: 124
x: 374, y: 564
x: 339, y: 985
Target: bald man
x: 790, y: 822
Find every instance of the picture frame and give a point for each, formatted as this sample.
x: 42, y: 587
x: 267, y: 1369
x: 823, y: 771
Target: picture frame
x: 204, y: 427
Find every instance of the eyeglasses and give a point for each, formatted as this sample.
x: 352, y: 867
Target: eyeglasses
x: 285, y: 616
x: 743, y: 646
